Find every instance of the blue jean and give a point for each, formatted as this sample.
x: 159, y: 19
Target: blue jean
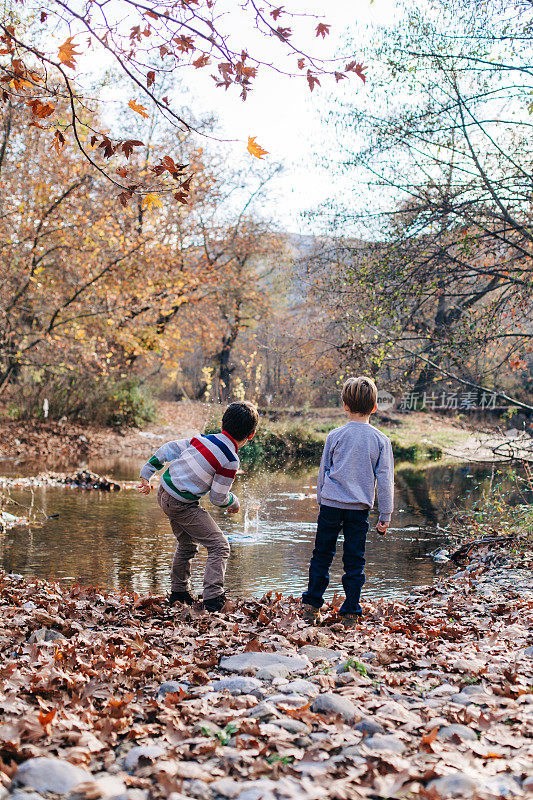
x: 354, y: 525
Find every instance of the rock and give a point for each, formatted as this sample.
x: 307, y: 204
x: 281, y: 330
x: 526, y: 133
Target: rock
x: 45, y: 635
x: 370, y: 656
x: 206, y: 728
x: 447, y: 732
x: 227, y: 787
x: 199, y: 789
x: 300, y: 686
x: 503, y: 786
x: 384, y: 743
x: 315, y: 653
x: 527, y: 786
x: 464, y: 698
x: 50, y: 775
x: 272, y: 672
x: 237, y: 685
x: 292, y: 700
x: 256, y: 793
x: 368, y: 726
x: 528, y: 652
x: 170, y: 687
x: 455, y: 785
x: 334, y: 703
x: 291, y: 725
x: 264, y: 711
x: 250, y: 662
x: 20, y: 794
x: 442, y: 690
x: 148, y: 752
x: 111, y: 786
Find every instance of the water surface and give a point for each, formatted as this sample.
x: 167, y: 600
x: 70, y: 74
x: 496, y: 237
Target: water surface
x: 123, y: 541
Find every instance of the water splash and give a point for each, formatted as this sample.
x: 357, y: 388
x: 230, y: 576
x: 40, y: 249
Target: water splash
x: 251, y: 519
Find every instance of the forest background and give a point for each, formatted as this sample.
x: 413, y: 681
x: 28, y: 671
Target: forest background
x: 413, y: 266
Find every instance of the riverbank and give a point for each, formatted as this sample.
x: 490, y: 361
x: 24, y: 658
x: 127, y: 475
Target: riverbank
x: 283, y: 437
x: 123, y: 697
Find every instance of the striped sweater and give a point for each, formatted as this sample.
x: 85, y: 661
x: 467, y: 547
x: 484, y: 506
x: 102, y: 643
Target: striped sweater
x: 206, y: 463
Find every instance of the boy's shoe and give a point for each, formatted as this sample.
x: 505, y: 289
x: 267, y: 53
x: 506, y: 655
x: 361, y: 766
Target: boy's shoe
x: 351, y: 620
x: 215, y: 603
x: 181, y: 597
x: 311, y: 615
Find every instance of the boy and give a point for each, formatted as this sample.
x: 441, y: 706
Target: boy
x: 206, y: 463
x: 356, y: 458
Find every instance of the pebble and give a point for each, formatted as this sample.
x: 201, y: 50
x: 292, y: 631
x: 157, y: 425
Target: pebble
x: 170, y: 687
x: 111, y: 786
x: 291, y: 725
x: 385, y: 743
x: 250, y: 662
x: 150, y: 752
x: 45, y: 635
x: 315, y: 653
x: 198, y: 789
x: 50, y: 775
x: 368, y: 726
x: 529, y: 651
x: 447, y: 732
x: 206, y: 727
x: 442, y: 690
x: 465, y: 697
x: 227, y: 787
x: 264, y: 710
x: 335, y: 703
x: 237, y: 685
x: 455, y: 785
x: 300, y: 686
x: 20, y: 794
x: 272, y: 672
x: 503, y: 786
x: 292, y: 700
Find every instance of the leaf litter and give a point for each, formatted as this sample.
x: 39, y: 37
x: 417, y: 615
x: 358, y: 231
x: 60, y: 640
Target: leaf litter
x: 438, y: 688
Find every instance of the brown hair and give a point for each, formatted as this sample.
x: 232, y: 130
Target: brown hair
x: 240, y: 420
x: 360, y: 395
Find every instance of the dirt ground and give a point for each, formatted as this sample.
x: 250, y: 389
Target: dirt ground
x: 62, y: 444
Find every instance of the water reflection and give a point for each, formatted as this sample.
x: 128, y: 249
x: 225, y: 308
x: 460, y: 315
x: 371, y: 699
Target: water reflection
x: 122, y: 540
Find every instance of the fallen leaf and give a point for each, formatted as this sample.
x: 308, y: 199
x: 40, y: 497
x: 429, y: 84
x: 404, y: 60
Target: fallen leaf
x: 255, y: 149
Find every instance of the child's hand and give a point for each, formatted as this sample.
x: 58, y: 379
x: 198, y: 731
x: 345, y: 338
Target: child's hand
x: 234, y: 507
x: 381, y: 527
x: 144, y: 487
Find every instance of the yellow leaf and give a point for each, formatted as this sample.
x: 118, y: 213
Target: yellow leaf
x: 255, y: 149
x: 138, y: 108
x: 151, y: 201
x: 67, y: 53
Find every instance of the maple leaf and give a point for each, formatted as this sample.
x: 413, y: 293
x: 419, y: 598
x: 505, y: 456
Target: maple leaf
x: 255, y: 149
x: 283, y: 33
x: 339, y: 76
x: 151, y: 201
x: 202, y: 61
x: 356, y: 67
x: 301, y: 63
x: 312, y: 80
x: 276, y: 12
x: 128, y: 145
x: 182, y: 195
x: 67, y: 53
x: 58, y: 142
x: 150, y: 78
x: 322, y: 29
x: 138, y: 108
x: 46, y: 719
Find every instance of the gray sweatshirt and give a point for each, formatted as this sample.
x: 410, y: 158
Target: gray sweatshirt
x: 357, y: 458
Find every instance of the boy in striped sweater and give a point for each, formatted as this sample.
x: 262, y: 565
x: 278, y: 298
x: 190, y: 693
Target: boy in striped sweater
x: 205, y: 463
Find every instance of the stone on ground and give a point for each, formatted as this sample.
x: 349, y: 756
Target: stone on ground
x: 368, y: 726
x: 384, y: 743
x: 250, y: 662
x: 315, y: 653
x: 455, y: 785
x: 148, y: 752
x: 300, y: 686
x: 336, y: 704
x: 447, y: 732
x: 48, y: 774
x: 170, y: 687
x: 237, y: 685
x: 272, y: 672
x: 45, y: 635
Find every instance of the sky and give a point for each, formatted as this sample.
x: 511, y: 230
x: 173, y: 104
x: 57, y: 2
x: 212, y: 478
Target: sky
x: 285, y: 117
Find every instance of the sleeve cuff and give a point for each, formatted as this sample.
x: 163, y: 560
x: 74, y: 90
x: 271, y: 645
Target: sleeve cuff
x: 385, y: 517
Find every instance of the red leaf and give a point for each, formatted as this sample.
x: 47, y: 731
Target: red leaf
x: 322, y: 29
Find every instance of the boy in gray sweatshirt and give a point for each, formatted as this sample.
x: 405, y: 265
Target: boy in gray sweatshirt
x: 357, y: 459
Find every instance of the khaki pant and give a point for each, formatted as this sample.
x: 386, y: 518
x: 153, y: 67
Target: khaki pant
x: 192, y: 525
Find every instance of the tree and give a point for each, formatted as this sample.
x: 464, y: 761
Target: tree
x: 44, y: 49
x: 448, y: 275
